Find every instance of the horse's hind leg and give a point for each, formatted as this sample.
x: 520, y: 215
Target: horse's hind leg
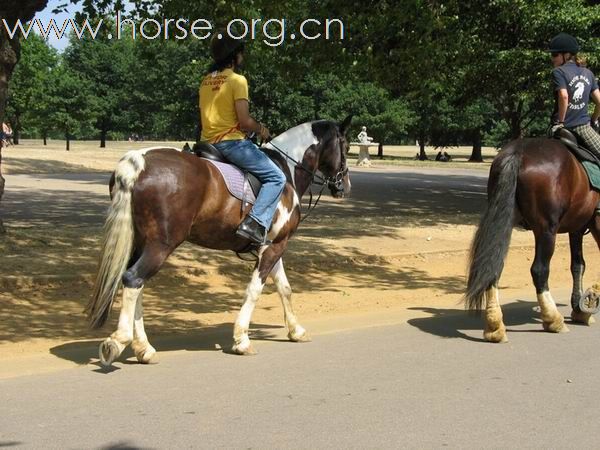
x: 296, y: 332
x: 130, y: 329
x: 577, y: 270
x: 114, y: 345
x: 552, y: 320
x: 144, y: 352
x: 495, y: 331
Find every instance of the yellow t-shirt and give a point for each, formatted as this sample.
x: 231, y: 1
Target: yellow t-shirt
x: 218, y: 93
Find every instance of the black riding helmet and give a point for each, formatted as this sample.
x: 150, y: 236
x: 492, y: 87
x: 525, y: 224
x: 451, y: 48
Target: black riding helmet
x: 225, y: 48
x: 563, y: 43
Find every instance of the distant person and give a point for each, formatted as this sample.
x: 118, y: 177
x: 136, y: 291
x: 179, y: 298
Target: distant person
x: 6, y: 135
x: 443, y: 156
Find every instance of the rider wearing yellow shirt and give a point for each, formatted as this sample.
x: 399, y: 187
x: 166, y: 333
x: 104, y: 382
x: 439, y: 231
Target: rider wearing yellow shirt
x: 225, y: 117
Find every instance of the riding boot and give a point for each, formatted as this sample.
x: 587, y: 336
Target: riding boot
x: 252, y: 230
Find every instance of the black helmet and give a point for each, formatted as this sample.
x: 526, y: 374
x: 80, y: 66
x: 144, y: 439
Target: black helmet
x: 563, y: 43
x: 226, y: 47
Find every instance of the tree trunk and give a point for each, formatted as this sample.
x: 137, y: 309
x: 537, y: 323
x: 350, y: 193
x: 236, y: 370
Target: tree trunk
x: 380, y: 151
x: 67, y: 140
x: 476, y: 154
x: 422, y: 154
x: 103, y: 138
x: 16, y: 136
x: 45, y: 137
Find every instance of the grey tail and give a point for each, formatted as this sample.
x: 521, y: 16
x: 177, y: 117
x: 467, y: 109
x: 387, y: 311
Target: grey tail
x: 492, y: 239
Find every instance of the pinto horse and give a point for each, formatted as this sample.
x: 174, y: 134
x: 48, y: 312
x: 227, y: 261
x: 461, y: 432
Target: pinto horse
x: 162, y: 197
x: 540, y: 185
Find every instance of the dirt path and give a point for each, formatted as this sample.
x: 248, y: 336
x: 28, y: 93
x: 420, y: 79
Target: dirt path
x: 401, y: 241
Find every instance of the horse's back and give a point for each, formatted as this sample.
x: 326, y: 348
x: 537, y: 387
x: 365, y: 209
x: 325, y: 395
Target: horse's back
x: 552, y: 185
x: 176, y: 191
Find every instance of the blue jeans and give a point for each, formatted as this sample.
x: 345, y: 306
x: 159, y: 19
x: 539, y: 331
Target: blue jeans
x: 247, y: 156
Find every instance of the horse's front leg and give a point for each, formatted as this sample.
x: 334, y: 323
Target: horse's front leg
x: 296, y: 332
x: 267, y: 257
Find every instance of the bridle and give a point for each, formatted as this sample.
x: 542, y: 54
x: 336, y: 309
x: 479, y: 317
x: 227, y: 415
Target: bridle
x: 333, y: 182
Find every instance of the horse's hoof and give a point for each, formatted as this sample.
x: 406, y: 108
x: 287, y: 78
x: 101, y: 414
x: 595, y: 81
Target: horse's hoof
x: 581, y: 317
x: 496, y: 336
x: 590, y: 302
x: 303, y: 337
x: 556, y: 326
x: 148, y: 357
x: 244, y: 350
x: 109, y: 351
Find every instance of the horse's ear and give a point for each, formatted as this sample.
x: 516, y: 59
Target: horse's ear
x: 345, y: 125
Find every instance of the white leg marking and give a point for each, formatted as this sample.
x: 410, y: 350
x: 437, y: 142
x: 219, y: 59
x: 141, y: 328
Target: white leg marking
x: 240, y: 332
x: 144, y: 352
x: 495, y: 331
x: 113, y: 346
x: 296, y: 332
x: 553, y: 320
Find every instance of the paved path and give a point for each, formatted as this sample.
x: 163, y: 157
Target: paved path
x: 426, y: 383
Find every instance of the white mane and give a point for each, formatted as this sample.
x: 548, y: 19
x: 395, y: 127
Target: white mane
x: 294, y: 142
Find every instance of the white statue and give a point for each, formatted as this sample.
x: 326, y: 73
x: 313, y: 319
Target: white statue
x: 363, y: 137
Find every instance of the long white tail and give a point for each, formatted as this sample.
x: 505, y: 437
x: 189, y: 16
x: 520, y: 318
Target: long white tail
x: 117, y: 243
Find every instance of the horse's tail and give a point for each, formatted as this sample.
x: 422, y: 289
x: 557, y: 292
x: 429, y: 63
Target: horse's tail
x: 117, y: 244
x: 490, y: 245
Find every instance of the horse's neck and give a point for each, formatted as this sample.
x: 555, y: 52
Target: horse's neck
x: 294, y: 143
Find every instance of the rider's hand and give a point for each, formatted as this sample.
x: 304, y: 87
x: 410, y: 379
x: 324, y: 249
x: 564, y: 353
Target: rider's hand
x: 596, y: 125
x: 557, y: 126
x: 265, y: 134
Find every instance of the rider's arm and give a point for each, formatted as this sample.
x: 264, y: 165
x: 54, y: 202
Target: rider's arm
x: 563, y: 104
x: 247, y: 123
x: 596, y: 99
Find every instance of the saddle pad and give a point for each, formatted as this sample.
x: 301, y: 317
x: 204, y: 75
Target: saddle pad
x: 234, y: 180
x: 593, y: 173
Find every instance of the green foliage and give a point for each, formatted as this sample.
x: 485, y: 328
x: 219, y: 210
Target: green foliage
x: 30, y: 93
x: 446, y: 73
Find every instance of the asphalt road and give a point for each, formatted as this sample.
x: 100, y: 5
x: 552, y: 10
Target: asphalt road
x: 429, y: 382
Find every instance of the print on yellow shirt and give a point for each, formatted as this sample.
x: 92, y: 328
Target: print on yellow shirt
x: 218, y: 93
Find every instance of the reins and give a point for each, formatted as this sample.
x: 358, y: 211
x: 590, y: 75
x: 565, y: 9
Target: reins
x: 336, y: 180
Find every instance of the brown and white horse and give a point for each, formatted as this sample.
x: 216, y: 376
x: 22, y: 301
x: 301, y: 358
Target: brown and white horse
x: 162, y: 197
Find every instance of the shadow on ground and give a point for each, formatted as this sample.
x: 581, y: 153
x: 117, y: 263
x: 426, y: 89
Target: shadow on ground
x: 199, y: 281
x: 212, y: 338
x: 450, y: 323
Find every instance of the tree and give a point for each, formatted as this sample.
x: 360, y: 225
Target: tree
x: 70, y: 103
x: 30, y: 85
x: 503, y: 53
x: 11, y: 11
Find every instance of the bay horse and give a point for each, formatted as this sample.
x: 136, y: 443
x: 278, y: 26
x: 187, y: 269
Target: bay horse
x: 162, y: 197
x: 536, y: 183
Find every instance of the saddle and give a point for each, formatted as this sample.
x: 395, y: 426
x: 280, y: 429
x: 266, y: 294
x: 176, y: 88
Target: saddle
x: 211, y: 153
x: 585, y: 156
x: 576, y: 146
